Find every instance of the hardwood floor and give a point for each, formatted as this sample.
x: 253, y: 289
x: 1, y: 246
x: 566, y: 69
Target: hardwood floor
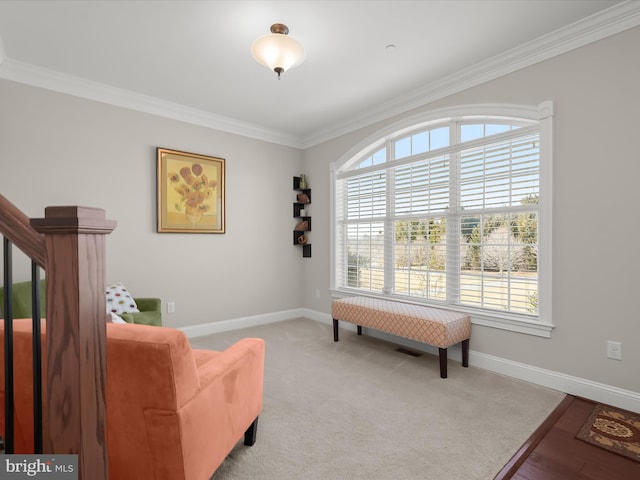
x: 553, y: 452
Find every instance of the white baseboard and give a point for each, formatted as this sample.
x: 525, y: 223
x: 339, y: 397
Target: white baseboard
x: 243, y: 322
x: 598, y: 392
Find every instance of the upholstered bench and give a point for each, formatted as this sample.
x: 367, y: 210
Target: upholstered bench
x: 433, y: 326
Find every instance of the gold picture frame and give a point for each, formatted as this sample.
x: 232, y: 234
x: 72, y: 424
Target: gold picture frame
x: 191, y: 192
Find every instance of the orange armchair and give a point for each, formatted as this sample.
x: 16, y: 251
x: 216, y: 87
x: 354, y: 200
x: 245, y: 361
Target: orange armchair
x: 173, y: 412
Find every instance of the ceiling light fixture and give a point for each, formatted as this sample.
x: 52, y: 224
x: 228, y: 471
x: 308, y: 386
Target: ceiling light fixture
x: 278, y: 51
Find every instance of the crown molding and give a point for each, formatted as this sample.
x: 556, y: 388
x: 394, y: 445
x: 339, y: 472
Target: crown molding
x: 51, y: 80
x: 609, y: 22
x: 591, y: 29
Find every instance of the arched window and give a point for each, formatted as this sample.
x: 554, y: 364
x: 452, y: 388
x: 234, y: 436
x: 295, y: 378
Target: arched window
x: 454, y: 211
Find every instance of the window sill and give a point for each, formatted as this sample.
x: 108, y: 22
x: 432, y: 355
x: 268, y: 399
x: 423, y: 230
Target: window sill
x: 503, y: 322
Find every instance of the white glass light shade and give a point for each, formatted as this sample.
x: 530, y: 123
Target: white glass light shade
x: 278, y: 51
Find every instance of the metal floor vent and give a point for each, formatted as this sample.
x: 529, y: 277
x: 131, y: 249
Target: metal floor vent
x: 408, y: 352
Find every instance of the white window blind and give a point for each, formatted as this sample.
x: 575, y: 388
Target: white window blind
x: 447, y: 214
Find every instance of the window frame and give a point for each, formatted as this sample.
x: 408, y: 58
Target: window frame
x: 543, y: 114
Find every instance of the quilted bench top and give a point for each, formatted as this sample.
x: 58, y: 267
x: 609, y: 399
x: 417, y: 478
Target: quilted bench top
x: 434, y: 326
x: 399, y: 308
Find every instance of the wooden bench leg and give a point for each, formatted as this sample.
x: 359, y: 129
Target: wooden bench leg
x: 359, y: 329
x: 335, y: 330
x: 465, y: 353
x: 443, y: 362
x: 250, y: 434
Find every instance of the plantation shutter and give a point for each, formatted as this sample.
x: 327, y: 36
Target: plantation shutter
x: 421, y: 198
x: 498, y: 175
x: 360, y: 210
x: 446, y: 215
x: 499, y: 192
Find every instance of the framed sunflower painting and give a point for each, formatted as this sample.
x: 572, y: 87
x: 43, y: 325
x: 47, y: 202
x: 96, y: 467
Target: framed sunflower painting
x: 190, y: 192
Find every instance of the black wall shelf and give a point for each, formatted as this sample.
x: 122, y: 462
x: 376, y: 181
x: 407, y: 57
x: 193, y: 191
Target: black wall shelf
x: 297, y: 207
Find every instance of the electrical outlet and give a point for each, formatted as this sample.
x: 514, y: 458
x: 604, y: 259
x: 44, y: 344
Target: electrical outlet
x: 317, y: 293
x: 614, y: 350
x: 171, y: 307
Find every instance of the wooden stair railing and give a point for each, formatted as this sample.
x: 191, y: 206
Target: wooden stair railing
x: 14, y: 225
x: 69, y: 242
x: 15, y: 229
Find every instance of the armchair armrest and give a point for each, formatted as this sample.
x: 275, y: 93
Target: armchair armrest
x: 245, y: 356
x: 210, y: 422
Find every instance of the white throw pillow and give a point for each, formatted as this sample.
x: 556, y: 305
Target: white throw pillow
x: 119, y: 300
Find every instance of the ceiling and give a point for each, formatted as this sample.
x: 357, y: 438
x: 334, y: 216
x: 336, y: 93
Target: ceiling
x: 191, y: 60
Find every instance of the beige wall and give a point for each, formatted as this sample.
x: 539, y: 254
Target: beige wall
x: 596, y: 93
x: 61, y: 150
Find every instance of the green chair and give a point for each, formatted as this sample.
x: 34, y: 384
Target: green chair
x: 150, y: 312
x: 150, y: 308
x: 22, y: 305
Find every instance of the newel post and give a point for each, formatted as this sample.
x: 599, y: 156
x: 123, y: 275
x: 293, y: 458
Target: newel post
x: 76, y: 335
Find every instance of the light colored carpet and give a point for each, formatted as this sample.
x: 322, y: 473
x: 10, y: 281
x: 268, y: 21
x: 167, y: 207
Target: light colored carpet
x: 358, y: 409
